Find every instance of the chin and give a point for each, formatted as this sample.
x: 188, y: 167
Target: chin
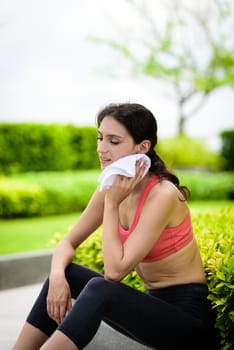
x: 103, y: 166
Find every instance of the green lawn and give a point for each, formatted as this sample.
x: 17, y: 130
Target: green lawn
x: 20, y: 235
x: 212, y: 204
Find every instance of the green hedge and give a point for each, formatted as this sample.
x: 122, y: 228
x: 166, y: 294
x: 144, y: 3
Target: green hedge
x: 208, y: 185
x: 215, y: 235
x: 46, y: 193
x: 83, y: 143
x: 48, y: 147
x: 214, y: 231
x: 36, y: 194
x: 43, y: 147
x: 227, y: 149
x: 19, y: 198
x: 186, y: 152
x: 38, y: 147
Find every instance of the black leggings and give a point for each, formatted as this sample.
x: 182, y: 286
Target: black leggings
x: 177, y: 317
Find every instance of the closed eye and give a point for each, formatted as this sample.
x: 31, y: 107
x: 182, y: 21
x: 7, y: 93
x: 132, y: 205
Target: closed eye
x: 113, y: 142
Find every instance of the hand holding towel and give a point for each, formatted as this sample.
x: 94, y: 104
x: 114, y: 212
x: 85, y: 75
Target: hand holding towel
x: 124, y: 166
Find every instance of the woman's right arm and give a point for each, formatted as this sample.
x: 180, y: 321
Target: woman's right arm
x: 59, y: 297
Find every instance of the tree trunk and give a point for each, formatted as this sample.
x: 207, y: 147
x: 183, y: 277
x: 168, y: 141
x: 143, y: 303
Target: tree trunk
x: 181, y: 118
x: 181, y: 124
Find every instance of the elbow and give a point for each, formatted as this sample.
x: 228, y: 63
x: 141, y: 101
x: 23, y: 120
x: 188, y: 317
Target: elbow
x: 114, y: 275
x: 113, y: 278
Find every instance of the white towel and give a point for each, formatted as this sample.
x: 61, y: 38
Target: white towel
x: 123, y: 166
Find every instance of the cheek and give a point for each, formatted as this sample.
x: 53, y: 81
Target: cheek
x: 126, y: 151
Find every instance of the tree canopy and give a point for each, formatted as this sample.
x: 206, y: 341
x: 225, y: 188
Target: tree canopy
x: 189, y: 45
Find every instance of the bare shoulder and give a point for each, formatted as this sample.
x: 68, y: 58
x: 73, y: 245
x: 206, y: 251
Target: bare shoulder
x: 165, y: 190
x: 161, y: 209
x: 168, y: 201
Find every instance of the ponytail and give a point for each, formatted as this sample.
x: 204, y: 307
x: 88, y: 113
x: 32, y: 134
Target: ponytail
x: 159, y: 168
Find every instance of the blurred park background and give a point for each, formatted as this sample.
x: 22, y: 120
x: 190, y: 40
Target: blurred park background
x: 63, y: 61
x: 60, y: 62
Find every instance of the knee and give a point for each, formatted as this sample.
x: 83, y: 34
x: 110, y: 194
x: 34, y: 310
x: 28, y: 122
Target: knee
x: 96, y: 283
x: 97, y: 286
x: 97, y: 291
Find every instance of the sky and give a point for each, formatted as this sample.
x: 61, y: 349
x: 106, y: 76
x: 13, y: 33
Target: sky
x: 50, y: 72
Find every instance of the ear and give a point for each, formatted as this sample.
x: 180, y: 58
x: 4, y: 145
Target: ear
x: 144, y: 146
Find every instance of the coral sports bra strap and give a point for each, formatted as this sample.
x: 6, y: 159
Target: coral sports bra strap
x: 141, y: 201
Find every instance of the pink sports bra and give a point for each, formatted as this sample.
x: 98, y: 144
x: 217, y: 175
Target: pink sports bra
x: 171, y: 240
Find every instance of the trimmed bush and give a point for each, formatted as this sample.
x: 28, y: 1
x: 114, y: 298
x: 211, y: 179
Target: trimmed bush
x: 38, y: 147
x: 214, y: 230
x: 83, y: 143
x: 44, y: 147
x: 70, y: 191
x: 48, y: 147
x: 186, y: 152
x: 35, y: 194
x: 18, y: 198
x: 215, y: 235
x: 227, y: 149
x: 207, y: 185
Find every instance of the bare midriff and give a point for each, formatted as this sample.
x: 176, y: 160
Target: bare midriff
x: 184, y: 266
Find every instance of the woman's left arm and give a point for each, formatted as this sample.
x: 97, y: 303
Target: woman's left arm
x: 120, y: 259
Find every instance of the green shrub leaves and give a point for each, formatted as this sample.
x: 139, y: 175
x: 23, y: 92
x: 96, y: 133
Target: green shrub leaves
x: 46, y: 193
x: 45, y: 147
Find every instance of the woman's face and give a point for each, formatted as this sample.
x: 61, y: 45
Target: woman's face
x: 114, y: 142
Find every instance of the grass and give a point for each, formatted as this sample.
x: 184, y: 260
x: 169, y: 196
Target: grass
x: 20, y: 235
x: 211, y: 204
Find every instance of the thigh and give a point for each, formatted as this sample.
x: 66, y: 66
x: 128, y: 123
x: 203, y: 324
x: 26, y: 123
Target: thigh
x: 148, y: 319
x: 78, y: 276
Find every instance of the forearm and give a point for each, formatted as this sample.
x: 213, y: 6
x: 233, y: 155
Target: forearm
x: 113, y: 249
x: 62, y: 257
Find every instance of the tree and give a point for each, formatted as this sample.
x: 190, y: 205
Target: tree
x: 192, y: 49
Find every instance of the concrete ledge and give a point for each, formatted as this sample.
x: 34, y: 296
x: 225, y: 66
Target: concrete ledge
x: 108, y: 339
x: 22, y: 269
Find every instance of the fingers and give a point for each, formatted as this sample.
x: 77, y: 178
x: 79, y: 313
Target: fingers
x: 123, y: 185
x: 69, y: 304
x: 57, y: 310
x: 140, y: 169
x: 141, y: 163
x: 62, y: 312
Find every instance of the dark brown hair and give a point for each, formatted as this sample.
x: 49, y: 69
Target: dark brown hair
x: 141, y: 125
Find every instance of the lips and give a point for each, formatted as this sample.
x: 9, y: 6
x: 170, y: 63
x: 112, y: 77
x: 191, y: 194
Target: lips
x: 105, y: 161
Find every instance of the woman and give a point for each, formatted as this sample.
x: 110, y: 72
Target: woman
x: 146, y: 226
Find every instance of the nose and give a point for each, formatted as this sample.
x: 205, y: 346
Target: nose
x: 101, y: 146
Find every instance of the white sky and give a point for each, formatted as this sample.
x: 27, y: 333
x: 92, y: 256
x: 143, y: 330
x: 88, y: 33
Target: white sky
x: 50, y: 72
